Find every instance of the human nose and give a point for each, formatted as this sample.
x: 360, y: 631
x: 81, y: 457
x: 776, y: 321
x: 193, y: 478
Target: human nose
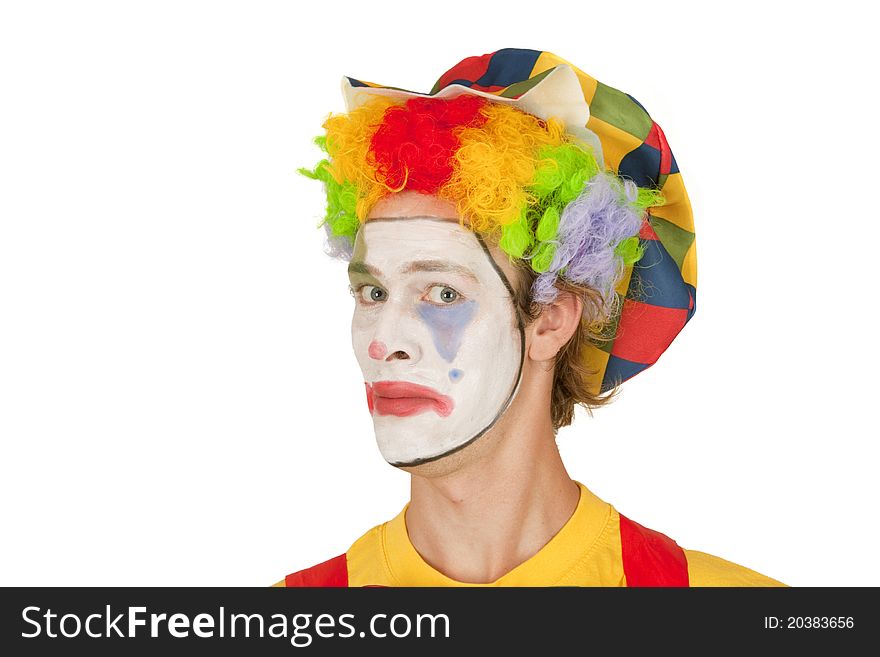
x: 394, y: 336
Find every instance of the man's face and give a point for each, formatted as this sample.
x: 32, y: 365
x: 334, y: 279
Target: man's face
x: 436, y: 334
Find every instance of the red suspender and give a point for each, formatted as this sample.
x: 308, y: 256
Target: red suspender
x: 333, y: 572
x: 650, y: 558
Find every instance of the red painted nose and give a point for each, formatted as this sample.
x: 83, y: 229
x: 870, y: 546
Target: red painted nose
x: 377, y: 350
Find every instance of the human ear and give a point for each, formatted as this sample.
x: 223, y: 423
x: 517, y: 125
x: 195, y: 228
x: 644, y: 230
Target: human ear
x: 555, y: 325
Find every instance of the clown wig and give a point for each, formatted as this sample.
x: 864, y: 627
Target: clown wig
x: 512, y: 176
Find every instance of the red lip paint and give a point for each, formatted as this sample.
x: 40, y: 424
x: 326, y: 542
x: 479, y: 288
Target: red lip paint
x: 405, y: 399
x: 369, y: 389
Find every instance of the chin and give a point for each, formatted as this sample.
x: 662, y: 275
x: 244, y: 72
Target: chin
x: 441, y: 467
x: 456, y: 461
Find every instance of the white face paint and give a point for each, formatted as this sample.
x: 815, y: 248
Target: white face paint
x: 436, y: 334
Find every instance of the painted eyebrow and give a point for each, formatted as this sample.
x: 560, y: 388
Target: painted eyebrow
x: 438, y: 266
x: 363, y: 268
x: 417, y: 265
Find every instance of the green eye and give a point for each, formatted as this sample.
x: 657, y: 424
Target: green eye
x: 442, y: 294
x: 372, y: 293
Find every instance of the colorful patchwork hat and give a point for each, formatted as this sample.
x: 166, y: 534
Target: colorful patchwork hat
x: 658, y: 292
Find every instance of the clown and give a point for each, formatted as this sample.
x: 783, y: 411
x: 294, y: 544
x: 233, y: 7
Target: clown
x: 518, y: 241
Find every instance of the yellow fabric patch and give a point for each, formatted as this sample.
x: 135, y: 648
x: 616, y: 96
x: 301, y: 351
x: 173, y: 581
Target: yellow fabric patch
x: 597, y: 361
x: 623, y: 284
x: 677, y: 207
x: 616, y: 143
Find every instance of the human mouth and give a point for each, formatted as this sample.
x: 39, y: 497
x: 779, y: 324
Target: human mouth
x: 404, y: 399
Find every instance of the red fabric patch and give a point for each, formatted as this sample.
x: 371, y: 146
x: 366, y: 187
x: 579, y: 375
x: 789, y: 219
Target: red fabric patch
x: 331, y: 573
x: 653, y: 328
x: 653, y: 138
x: 665, y: 152
x: 651, y: 558
x: 647, y: 231
x: 471, y: 69
x: 656, y: 139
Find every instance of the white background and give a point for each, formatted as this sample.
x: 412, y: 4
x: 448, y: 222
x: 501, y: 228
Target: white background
x: 179, y: 404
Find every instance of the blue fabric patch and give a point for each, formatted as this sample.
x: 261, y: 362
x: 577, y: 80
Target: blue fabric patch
x: 657, y: 279
x: 619, y: 370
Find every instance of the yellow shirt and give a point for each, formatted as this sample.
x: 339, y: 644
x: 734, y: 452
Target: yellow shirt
x: 585, y: 552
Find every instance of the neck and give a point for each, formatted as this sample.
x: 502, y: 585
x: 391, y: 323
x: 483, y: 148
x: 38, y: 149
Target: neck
x: 508, y: 498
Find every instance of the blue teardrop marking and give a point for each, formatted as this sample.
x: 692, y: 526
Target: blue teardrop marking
x: 447, y: 324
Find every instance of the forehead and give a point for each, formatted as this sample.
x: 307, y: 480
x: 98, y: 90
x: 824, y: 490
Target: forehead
x: 402, y: 239
x: 417, y: 227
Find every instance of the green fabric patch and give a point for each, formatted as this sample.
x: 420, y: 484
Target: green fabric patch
x: 618, y: 109
x: 675, y: 240
x: 519, y: 88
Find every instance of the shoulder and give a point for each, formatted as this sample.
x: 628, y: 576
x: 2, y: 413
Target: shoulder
x: 709, y: 570
x: 653, y: 559
x: 340, y: 570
